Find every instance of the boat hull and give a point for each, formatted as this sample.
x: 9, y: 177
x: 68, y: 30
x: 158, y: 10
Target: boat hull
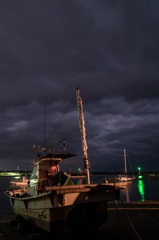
x: 60, y: 211
x: 124, y: 179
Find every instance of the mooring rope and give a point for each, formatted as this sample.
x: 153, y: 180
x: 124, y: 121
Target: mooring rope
x: 130, y: 220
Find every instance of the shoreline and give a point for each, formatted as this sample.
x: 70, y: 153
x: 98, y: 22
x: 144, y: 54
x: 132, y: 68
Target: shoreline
x: 15, y: 173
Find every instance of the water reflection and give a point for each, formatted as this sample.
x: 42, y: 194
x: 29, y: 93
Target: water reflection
x: 140, y: 185
x: 125, y: 192
x: 138, y: 190
x: 79, y: 181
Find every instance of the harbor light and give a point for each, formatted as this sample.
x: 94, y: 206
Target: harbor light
x: 139, y: 170
x: 80, y: 171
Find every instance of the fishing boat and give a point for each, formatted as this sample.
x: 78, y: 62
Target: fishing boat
x: 124, y: 177
x: 52, y: 201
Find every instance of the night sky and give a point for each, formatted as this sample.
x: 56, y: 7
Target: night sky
x: 110, y: 50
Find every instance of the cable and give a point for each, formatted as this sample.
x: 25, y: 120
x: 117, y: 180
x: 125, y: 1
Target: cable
x: 61, y: 118
x: 130, y: 220
x: 130, y: 166
x: 117, y: 214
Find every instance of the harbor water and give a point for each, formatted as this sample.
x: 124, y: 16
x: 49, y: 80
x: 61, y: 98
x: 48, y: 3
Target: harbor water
x: 138, y: 190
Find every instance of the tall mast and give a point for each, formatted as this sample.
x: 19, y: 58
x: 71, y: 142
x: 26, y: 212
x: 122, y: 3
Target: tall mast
x: 125, y: 160
x: 44, y: 125
x: 83, y: 133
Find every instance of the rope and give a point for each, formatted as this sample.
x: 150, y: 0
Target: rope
x: 117, y: 214
x: 130, y: 166
x: 61, y: 118
x: 130, y: 220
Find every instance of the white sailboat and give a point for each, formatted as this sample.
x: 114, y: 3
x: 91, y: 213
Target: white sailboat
x: 124, y: 177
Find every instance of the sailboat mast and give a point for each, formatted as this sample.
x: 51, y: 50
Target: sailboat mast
x: 44, y: 125
x: 83, y: 133
x: 125, y: 160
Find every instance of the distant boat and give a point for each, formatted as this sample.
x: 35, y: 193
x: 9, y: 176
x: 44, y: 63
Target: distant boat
x: 152, y: 175
x: 124, y: 177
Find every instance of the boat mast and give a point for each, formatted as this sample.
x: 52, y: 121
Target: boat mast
x: 83, y: 133
x: 44, y: 125
x: 125, y: 160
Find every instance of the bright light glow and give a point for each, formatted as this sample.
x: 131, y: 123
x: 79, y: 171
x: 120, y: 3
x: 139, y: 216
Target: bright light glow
x: 79, y: 169
x: 54, y: 168
x: 139, y: 168
x: 141, y: 189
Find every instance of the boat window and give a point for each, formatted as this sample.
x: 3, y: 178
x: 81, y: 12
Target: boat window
x: 35, y: 172
x: 47, y: 172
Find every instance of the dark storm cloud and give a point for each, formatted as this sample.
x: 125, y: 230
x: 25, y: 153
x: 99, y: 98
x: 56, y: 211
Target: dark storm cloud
x: 128, y: 36
x: 104, y: 43
x: 107, y: 48
x: 45, y: 43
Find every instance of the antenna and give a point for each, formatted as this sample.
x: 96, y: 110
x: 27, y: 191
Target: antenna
x: 125, y: 160
x: 44, y: 125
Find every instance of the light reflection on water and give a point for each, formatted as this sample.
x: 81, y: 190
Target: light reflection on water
x: 133, y: 191
x: 138, y: 190
x: 79, y: 181
x: 140, y: 185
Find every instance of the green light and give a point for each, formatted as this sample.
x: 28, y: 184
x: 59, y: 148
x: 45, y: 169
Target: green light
x: 79, y: 169
x: 141, y: 189
x: 139, y: 168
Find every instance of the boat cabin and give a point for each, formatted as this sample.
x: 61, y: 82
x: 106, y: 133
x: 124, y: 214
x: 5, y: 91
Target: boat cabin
x: 44, y: 172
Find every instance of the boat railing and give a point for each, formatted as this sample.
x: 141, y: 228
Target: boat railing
x: 16, y: 180
x: 37, y: 182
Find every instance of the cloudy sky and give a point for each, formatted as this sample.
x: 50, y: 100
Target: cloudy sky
x: 110, y: 50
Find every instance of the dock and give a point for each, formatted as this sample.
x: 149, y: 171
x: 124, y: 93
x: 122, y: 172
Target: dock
x: 13, y: 174
x: 141, y: 178
x: 9, y: 174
